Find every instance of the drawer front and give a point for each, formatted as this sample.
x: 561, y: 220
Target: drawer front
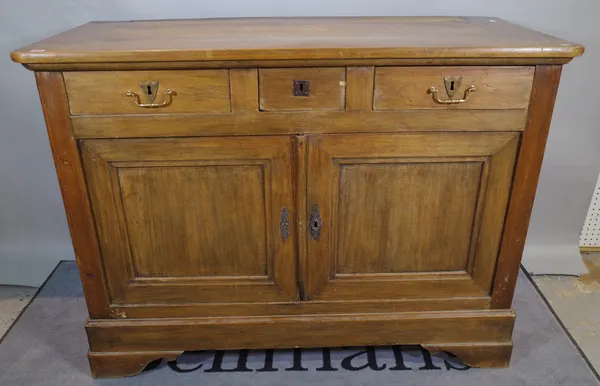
x: 411, y: 87
x: 302, y: 89
x: 98, y: 93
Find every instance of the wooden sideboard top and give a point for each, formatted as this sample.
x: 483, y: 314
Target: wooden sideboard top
x: 288, y: 39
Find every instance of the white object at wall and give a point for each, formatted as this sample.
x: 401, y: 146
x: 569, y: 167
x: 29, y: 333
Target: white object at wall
x: 590, y: 234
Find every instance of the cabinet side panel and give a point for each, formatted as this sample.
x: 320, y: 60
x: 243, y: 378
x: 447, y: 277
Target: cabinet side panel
x: 53, y: 96
x: 529, y: 163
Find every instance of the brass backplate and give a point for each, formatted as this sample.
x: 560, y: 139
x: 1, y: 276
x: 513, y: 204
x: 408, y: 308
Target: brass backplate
x: 148, y: 89
x: 452, y: 84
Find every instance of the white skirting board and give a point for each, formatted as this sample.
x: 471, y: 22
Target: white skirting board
x: 30, y: 264
x: 590, y: 234
x: 553, y: 260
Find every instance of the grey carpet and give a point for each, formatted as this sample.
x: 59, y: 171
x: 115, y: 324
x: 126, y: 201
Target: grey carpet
x: 48, y: 346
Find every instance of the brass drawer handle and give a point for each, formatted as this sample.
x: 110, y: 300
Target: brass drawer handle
x: 136, y: 99
x: 434, y: 92
x: 148, y: 92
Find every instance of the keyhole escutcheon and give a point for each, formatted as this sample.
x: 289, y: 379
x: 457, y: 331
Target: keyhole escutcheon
x: 315, y: 223
x: 301, y: 88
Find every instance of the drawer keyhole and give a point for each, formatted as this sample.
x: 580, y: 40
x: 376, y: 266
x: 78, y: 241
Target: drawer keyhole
x: 149, y: 90
x: 452, y: 86
x: 301, y: 88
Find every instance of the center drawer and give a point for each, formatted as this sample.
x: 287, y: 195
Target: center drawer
x: 284, y: 89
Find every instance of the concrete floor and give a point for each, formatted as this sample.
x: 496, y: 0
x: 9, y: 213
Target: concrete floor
x: 12, y: 301
x: 576, y: 300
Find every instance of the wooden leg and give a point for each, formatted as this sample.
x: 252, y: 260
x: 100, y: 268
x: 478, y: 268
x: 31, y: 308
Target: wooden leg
x: 477, y: 354
x: 125, y: 364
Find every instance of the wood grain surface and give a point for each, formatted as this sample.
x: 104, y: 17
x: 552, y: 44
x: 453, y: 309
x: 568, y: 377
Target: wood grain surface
x: 300, y: 122
x: 104, y: 92
x: 327, y: 89
x: 405, y: 215
x: 295, y: 38
x: 122, y: 348
x: 308, y: 331
x: 194, y: 220
x: 529, y: 164
x: 397, y: 204
x: 496, y: 87
x: 69, y: 170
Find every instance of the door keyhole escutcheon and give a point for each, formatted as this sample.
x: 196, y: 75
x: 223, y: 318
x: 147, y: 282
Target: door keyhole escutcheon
x: 315, y: 223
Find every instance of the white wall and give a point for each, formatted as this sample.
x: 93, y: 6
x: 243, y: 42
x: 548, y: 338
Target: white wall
x: 33, y: 231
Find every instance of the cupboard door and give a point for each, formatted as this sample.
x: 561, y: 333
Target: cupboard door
x: 193, y: 220
x: 406, y: 215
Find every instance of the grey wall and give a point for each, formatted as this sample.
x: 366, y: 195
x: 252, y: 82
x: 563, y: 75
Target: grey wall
x: 33, y: 231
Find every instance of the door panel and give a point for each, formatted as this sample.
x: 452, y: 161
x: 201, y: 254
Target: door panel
x: 407, y: 215
x: 376, y: 225
x: 194, y: 220
x: 163, y: 216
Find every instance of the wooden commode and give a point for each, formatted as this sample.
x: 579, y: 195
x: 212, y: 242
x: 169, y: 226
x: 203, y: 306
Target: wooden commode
x: 297, y: 182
